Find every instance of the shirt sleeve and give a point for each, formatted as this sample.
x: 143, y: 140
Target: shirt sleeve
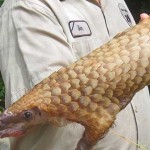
x: 41, y: 40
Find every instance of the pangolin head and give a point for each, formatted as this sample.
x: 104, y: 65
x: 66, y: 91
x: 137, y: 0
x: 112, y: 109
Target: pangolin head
x: 22, y: 116
x: 18, y: 124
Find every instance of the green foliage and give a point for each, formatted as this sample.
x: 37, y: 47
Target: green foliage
x: 2, y: 94
x: 2, y: 88
x: 1, y: 2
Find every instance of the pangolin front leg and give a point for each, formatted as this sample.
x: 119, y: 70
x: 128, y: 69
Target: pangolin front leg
x: 96, y: 125
x: 90, y: 137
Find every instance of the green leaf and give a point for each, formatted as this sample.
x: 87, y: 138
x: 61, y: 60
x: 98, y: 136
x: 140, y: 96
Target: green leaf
x: 1, y: 109
x: 2, y: 94
x: 1, y: 2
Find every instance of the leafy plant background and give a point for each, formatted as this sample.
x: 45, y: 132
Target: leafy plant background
x: 2, y: 88
x: 2, y: 94
x: 1, y: 1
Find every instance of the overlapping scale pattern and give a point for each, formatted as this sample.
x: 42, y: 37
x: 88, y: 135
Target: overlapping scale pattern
x: 95, y: 88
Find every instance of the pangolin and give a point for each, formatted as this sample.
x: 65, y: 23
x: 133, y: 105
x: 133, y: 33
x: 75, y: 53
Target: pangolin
x: 90, y: 91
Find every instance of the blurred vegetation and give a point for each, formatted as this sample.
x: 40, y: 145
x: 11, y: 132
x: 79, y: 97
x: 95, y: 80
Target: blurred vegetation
x: 1, y: 2
x: 137, y: 7
x: 2, y: 88
x: 2, y: 94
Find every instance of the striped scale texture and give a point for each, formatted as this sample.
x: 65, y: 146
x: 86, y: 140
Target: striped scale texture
x: 95, y: 88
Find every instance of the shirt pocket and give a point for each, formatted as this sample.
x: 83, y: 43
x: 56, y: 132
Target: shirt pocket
x: 83, y: 47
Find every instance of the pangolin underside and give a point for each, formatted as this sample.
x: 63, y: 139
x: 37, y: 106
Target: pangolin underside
x: 90, y: 91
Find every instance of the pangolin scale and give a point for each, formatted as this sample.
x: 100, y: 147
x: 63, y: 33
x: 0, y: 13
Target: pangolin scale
x: 94, y: 89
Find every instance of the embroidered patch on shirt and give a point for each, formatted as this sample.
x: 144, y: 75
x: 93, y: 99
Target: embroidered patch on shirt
x: 79, y: 28
x: 125, y: 13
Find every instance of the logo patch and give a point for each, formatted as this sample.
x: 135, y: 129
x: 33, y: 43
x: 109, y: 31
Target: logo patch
x: 125, y: 13
x: 79, y: 28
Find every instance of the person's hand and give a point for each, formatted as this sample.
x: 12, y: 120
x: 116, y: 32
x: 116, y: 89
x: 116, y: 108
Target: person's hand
x: 143, y: 16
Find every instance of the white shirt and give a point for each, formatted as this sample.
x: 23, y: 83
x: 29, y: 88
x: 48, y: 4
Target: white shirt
x: 40, y: 36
